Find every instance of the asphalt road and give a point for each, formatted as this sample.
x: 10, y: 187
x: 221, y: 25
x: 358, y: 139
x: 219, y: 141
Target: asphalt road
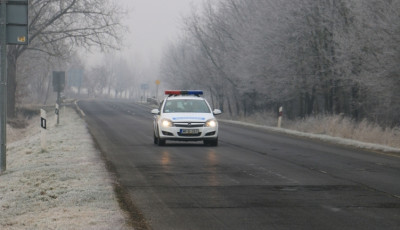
x: 254, y: 179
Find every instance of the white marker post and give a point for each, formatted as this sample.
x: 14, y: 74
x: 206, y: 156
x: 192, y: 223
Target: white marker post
x: 43, y: 130
x: 280, y: 116
x: 57, y: 112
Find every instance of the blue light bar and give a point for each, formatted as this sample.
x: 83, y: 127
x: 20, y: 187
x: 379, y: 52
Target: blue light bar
x: 195, y: 92
x: 184, y: 92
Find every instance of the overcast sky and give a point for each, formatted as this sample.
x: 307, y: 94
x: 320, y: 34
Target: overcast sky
x: 152, y: 25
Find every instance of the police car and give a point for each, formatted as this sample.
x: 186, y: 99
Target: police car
x: 185, y: 116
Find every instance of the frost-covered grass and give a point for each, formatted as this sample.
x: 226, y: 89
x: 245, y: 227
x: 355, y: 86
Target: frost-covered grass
x: 339, y: 126
x: 335, y: 126
x: 65, y: 187
x: 265, y: 118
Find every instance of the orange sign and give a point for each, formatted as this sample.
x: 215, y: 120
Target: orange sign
x: 158, y: 82
x: 21, y: 39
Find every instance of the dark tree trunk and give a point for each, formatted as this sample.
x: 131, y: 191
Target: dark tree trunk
x: 229, y: 105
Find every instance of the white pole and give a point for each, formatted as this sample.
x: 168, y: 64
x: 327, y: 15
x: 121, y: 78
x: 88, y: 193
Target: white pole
x: 43, y: 131
x: 57, y: 112
x: 280, y: 116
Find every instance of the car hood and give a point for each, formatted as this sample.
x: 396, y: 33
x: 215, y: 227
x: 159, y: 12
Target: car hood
x: 188, y: 117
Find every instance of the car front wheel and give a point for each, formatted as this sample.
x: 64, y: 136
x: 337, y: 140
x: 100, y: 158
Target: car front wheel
x: 155, y: 139
x: 211, y: 142
x: 158, y: 141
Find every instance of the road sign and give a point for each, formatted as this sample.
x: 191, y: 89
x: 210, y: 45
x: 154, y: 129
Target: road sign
x: 17, y: 35
x: 14, y: 31
x: 17, y: 14
x: 18, y: 2
x: 17, y: 22
x: 75, y: 77
x: 158, y: 82
x: 58, y: 81
x: 144, y: 86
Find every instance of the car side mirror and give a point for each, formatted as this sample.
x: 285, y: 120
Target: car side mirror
x: 155, y: 111
x: 217, y: 112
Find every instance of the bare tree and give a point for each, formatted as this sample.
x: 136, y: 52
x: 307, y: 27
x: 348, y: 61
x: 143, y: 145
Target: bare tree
x: 34, y: 76
x: 313, y: 57
x: 57, y: 26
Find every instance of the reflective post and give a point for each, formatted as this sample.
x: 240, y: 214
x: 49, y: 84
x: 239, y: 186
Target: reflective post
x: 43, y: 138
x: 280, y: 116
x: 57, y: 112
x: 58, y: 108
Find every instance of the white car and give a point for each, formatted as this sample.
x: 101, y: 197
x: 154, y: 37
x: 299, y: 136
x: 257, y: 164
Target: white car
x: 185, y: 116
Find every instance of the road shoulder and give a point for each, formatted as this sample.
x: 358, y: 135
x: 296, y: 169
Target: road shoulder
x: 65, y: 187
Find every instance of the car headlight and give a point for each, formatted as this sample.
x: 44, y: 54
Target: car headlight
x: 211, y: 123
x: 166, y: 123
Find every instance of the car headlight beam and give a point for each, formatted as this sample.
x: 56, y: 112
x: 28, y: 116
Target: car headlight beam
x: 166, y: 123
x: 211, y: 123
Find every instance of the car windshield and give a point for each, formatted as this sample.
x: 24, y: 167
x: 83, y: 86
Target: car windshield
x: 186, y: 106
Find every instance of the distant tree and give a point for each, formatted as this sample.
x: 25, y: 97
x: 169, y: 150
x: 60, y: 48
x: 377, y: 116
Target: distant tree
x: 35, y: 75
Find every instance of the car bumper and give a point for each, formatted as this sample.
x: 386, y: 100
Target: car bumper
x: 175, y: 133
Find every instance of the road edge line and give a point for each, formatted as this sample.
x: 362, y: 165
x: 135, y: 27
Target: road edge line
x: 79, y: 109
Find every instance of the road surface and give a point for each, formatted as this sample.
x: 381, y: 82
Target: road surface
x: 254, y: 179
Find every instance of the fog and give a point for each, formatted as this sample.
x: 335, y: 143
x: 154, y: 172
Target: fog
x: 154, y: 23
x: 151, y: 26
x: 325, y: 57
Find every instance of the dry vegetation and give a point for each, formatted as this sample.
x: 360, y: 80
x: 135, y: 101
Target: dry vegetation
x: 28, y: 116
x: 337, y: 126
x: 14, y: 134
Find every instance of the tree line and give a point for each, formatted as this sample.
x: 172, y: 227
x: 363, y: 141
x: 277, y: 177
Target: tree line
x: 313, y: 57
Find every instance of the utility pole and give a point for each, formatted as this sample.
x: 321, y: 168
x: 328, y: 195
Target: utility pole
x: 14, y: 31
x: 157, y: 84
x: 3, y: 87
x: 58, y: 86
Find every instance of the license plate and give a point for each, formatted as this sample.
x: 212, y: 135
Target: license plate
x: 189, y: 131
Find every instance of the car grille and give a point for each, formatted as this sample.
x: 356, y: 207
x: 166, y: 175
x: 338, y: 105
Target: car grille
x: 189, y: 135
x: 189, y: 124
